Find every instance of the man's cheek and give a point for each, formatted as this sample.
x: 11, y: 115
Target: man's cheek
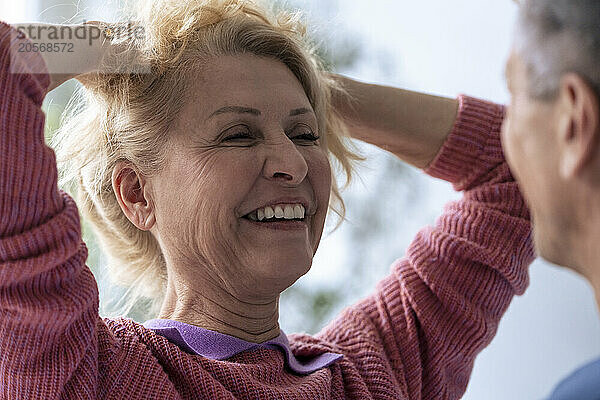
x: 507, y: 141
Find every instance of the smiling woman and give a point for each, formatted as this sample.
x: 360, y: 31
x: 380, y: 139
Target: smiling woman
x: 208, y: 178
x: 219, y: 50
x: 258, y: 157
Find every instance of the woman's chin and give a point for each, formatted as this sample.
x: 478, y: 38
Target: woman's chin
x: 284, y: 264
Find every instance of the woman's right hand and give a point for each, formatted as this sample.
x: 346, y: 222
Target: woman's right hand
x: 120, y: 52
x: 82, y: 51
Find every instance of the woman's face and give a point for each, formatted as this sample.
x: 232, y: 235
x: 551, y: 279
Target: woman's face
x: 243, y: 141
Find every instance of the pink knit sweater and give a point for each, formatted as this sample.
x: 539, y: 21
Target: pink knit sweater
x: 415, y: 337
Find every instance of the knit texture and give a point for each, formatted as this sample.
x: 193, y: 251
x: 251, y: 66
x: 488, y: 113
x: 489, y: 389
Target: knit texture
x: 415, y: 337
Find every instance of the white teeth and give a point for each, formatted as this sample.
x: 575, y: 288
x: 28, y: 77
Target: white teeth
x: 278, y: 212
x: 287, y: 211
x: 269, y: 213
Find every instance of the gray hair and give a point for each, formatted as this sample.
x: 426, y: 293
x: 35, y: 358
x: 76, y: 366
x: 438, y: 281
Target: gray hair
x: 554, y: 37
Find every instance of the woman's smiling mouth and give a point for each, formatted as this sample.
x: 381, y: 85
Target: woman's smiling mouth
x: 278, y: 212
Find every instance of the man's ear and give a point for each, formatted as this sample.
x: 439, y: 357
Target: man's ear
x: 579, y: 135
x: 132, y: 192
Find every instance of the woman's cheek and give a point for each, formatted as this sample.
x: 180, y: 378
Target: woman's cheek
x: 320, y: 176
x: 218, y: 189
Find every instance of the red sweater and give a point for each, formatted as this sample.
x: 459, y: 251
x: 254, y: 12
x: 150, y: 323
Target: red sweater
x: 415, y: 337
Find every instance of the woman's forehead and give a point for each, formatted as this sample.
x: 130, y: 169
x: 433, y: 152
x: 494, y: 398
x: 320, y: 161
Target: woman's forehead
x: 260, y: 84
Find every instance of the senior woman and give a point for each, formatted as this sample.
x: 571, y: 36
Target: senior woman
x: 208, y: 180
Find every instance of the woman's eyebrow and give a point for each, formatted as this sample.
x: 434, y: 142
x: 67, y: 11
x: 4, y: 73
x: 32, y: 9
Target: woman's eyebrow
x: 299, y: 111
x: 254, y: 111
x: 235, y: 109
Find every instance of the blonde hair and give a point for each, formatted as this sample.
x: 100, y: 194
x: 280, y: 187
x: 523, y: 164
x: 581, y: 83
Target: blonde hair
x: 127, y: 117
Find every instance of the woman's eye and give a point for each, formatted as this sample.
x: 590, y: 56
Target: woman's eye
x: 308, y: 136
x: 239, y: 135
x: 244, y: 135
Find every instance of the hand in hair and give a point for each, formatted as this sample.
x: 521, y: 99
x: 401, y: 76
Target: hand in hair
x: 411, y: 125
x: 119, y: 52
x: 84, y: 51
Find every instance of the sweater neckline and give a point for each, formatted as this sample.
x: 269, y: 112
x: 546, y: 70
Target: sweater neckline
x: 220, y: 346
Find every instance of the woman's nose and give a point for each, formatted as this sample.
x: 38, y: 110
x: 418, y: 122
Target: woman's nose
x: 284, y: 163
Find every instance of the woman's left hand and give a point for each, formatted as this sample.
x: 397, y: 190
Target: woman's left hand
x: 411, y: 125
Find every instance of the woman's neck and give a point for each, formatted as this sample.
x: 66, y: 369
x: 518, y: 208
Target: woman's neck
x: 214, y: 308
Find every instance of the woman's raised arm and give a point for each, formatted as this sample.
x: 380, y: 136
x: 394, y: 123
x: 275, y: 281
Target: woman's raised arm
x: 48, y: 296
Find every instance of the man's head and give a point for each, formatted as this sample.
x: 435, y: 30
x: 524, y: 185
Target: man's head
x: 551, y: 135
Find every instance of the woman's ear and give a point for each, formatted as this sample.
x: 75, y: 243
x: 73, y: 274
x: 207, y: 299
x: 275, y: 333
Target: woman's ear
x: 579, y: 139
x: 132, y: 192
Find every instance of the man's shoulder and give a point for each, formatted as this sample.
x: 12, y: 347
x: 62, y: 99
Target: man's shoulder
x: 583, y: 384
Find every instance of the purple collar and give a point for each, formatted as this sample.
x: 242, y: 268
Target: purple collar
x: 219, y: 346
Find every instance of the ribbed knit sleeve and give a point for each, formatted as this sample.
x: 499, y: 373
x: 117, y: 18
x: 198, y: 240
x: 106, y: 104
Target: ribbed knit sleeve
x: 441, y: 304
x: 48, y: 297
